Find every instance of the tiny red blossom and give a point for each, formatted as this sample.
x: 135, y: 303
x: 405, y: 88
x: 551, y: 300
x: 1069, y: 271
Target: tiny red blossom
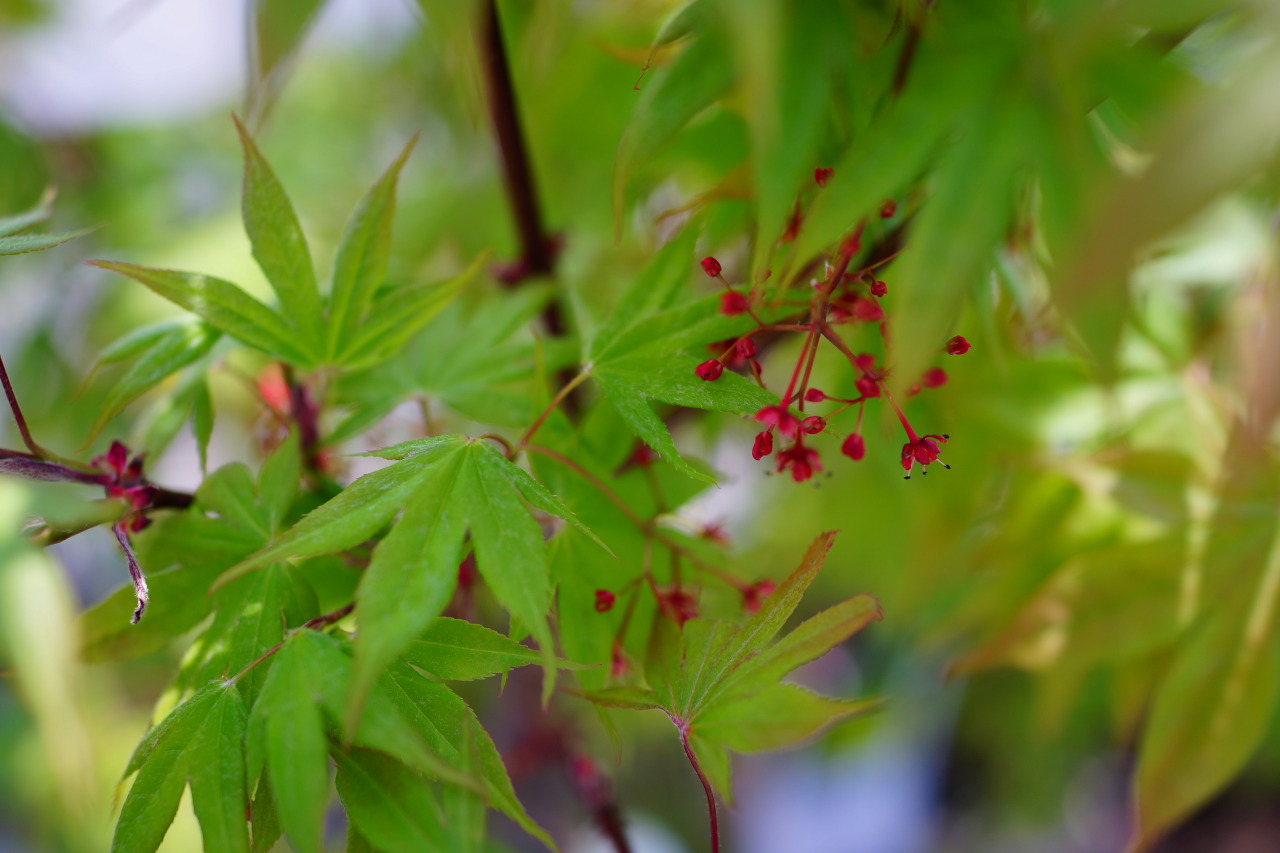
x: 678, y: 605
x: 763, y: 446
x: 814, y: 395
x: 867, y: 310
x: 711, y: 267
x: 786, y: 423
x: 923, y: 451
x: 867, y: 386
x: 618, y: 666
x: 879, y: 288
x: 958, y: 346
x: 854, y: 447
x: 864, y: 361
x: 604, y: 600
x: 821, y: 176
x: 802, y: 461
x: 746, y: 348
x: 753, y: 596
x: 709, y: 371
x: 813, y: 425
x: 888, y: 209
x: 934, y: 377
x: 733, y: 303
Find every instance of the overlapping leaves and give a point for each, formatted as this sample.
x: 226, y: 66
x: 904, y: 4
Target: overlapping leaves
x: 719, y: 682
x: 440, y: 488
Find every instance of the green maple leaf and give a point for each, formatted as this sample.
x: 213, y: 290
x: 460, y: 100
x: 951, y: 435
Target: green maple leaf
x: 360, y: 323
x: 718, y: 682
x: 441, y: 488
x: 201, y: 742
x: 644, y: 352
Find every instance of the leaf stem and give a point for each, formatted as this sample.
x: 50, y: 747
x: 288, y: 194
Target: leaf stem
x: 559, y: 398
x: 706, y: 786
x: 17, y: 414
x: 311, y: 624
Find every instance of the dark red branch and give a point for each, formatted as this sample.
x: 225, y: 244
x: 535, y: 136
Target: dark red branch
x: 536, y: 250
x: 706, y: 787
x: 17, y: 412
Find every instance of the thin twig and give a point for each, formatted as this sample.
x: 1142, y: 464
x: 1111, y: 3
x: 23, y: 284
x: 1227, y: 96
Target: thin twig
x: 17, y: 414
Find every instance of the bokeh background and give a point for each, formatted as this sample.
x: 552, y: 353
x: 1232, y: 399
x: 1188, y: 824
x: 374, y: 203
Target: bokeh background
x: 1120, y: 392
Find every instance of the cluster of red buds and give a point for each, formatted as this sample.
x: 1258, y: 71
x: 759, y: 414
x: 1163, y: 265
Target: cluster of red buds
x: 842, y: 298
x: 122, y: 478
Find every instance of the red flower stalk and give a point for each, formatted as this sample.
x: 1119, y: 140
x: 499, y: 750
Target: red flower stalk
x: 709, y: 371
x: 958, y: 346
x: 711, y: 267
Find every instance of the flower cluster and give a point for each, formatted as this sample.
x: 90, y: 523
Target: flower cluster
x: 839, y: 302
x: 123, y: 479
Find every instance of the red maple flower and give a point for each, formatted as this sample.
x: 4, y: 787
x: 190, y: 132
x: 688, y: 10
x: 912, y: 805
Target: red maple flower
x: 778, y: 417
x: 958, y: 346
x: 922, y: 451
x: 711, y: 267
x: 854, y: 447
x: 604, y: 600
x: 802, y: 461
x: 763, y: 446
x: 733, y: 303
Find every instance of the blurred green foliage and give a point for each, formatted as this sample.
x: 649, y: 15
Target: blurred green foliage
x: 1085, y: 191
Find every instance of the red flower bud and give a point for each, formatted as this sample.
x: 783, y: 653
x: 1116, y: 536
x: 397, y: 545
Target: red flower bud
x: 777, y: 416
x: 879, y: 288
x: 958, y: 346
x: 754, y: 595
x: 854, y: 447
x: 888, y: 209
x: 867, y: 310
x: 867, y: 386
x: 711, y: 266
x: 813, y: 395
x: 604, y: 600
x: 746, y: 348
x: 864, y: 361
x: 934, y: 377
x: 763, y: 446
x: 813, y: 425
x: 822, y: 176
x: 709, y: 371
x: 733, y: 303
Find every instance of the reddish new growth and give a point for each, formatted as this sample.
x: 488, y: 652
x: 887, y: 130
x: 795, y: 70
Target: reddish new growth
x: 842, y: 299
x: 122, y: 478
x: 604, y: 600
